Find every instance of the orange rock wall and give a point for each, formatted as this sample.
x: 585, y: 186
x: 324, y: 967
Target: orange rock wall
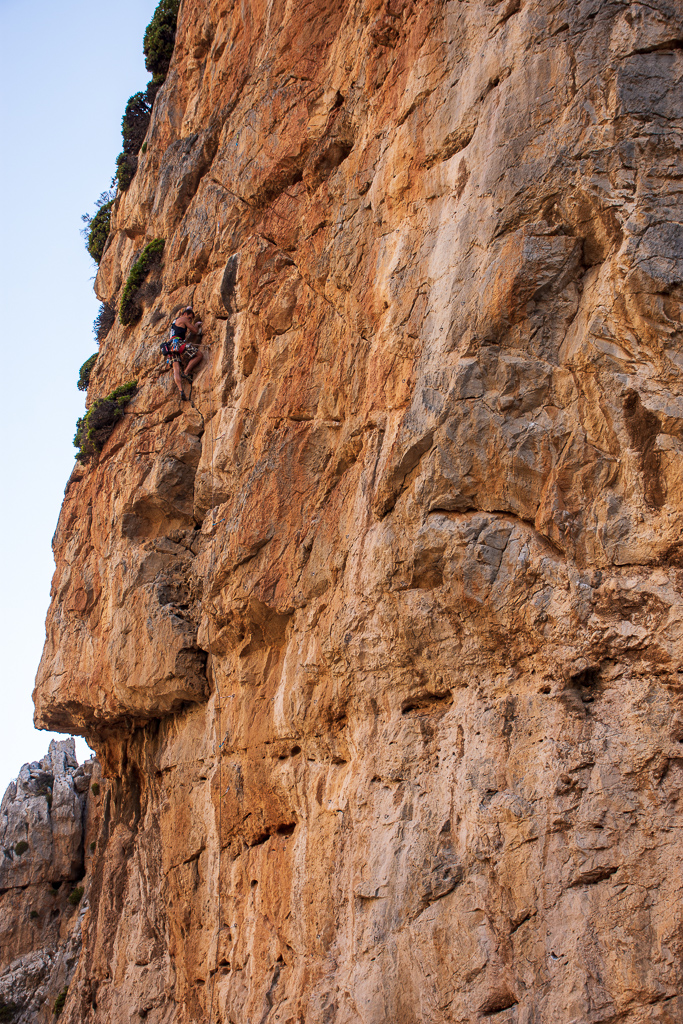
x: 379, y: 639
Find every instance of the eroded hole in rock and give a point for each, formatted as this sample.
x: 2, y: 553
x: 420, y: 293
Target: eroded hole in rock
x: 586, y: 678
x: 497, y: 1003
x: 643, y: 429
x: 260, y: 840
x: 286, y: 829
x: 428, y: 702
x: 427, y: 578
x: 334, y: 155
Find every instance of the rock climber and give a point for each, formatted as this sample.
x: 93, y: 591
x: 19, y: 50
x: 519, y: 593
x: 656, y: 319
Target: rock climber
x: 178, y: 350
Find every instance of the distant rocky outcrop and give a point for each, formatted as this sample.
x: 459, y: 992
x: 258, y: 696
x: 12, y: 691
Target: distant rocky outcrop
x: 48, y: 816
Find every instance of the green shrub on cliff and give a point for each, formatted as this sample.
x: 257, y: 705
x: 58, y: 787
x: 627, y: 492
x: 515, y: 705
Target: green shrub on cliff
x: 135, y: 120
x: 134, y: 125
x: 21, y: 847
x: 126, y: 166
x: 60, y: 1000
x: 99, y: 231
x: 76, y: 895
x: 96, y: 230
x: 159, y: 39
x: 84, y: 373
x: 94, y: 429
x: 158, y: 43
x: 129, y: 312
x: 104, y: 321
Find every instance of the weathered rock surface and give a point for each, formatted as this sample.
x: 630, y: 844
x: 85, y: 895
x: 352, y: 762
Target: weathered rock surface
x: 380, y: 642
x: 48, y: 819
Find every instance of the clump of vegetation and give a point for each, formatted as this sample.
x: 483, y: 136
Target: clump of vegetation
x: 21, y: 847
x: 134, y: 125
x: 84, y: 373
x: 103, y: 322
x: 129, y: 311
x: 158, y: 44
x: 76, y: 895
x: 126, y: 166
x: 45, y: 789
x: 95, y: 428
x: 60, y: 1000
x: 33, y: 914
x: 99, y: 231
x: 92, y: 846
x: 95, y: 788
x: 135, y: 120
x: 96, y: 230
x: 160, y: 39
x: 8, y: 1011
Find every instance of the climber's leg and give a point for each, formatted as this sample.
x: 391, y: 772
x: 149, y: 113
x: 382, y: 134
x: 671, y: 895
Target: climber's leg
x: 176, y: 375
x: 195, y: 361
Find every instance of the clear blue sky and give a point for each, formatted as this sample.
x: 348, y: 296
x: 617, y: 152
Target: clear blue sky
x: 67, y: 71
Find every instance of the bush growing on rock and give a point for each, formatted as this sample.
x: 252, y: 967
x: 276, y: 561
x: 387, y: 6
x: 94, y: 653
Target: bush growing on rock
x: 95, y: 788
x: 99, y: 231
x: 21, y: 847
x: 33, y: 914
x: 76, y: 895
x: 158, y: 43
x: 103, y: 322
x: 8, y: 1011
x: 159, y: 39
x: 94, y: 429
x: 134, y: 125
x: 96, y: 230
x: 60, y: 1000
x: 135, y: 120
x: 129, y: 311
x: 84, y: 373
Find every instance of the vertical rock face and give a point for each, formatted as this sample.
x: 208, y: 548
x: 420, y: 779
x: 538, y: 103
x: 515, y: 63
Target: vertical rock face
x: 379, y: 640
x: 47, y: 821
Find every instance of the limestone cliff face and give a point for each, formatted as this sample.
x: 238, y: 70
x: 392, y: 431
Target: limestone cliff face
x: 379, y: 641
x: 49, y: 823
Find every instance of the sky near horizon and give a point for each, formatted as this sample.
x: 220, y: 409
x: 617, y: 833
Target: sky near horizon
x: 67, y: 72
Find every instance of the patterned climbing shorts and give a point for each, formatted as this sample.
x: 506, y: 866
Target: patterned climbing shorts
x: 182, y: 349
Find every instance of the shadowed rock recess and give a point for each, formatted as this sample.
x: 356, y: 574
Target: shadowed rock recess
x: 379, y: 641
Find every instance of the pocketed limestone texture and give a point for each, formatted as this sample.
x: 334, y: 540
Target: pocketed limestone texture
x: 379, y: 639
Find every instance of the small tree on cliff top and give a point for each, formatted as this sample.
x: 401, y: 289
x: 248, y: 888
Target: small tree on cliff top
x: 160, y: 39
x: 135, y: 120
